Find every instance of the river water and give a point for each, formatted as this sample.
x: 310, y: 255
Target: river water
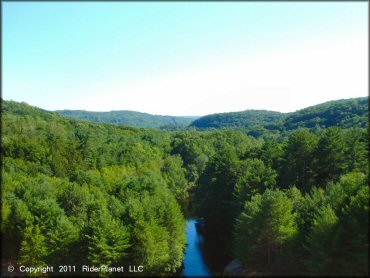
x: 194, y: 262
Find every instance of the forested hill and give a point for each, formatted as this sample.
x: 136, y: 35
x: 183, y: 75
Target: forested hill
x: 82, y: 193
x: 344, y: 113
x: 246, y: 119
x: 23, y: 109
x: 129, y: 118
x: 76, y: 192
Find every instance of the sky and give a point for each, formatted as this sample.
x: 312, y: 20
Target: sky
x: 184, y: 58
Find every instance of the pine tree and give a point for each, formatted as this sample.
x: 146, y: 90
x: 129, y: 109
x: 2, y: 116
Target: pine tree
x: 33, y: 249
x: 265, y: 225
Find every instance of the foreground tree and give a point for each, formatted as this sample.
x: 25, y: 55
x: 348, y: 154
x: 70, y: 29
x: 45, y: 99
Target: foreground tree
x: 265, y: 225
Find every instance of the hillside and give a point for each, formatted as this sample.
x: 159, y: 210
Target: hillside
x: 128, y: 118
x: 246, y: 119
x: 344, y: 113
x: 76, y: 192
x: 83, y: 193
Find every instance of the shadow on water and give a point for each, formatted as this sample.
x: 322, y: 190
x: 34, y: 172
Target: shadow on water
x: 203, y: 255
x: 215, y: 254
x: 194, y: 263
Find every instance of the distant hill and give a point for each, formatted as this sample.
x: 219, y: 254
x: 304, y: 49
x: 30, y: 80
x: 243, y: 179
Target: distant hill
x: 245, y: 119
x: 344, y: 113
x: 129, y: 118
x: 24, y: 109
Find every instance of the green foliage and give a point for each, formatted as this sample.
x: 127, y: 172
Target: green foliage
x: 288, y: 202
x: 344, y: 113
x: 247, y: 119
x: 33, y: 249
x: 356, y: 149
x: 159, y: 245
x: 129, y: 118
x: 353, y: 235
x: 323, y: 230
x: 265, y: 225
x: 297, y: 166
x: 330, y: 155
x: 68, y: 187
x: 174, y: 176
x: 107, y: 239
x: 337, y: 242
x: 215, y: 191
x: 256, y: 179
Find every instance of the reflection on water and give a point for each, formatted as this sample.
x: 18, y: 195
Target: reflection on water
x: 194, y: 263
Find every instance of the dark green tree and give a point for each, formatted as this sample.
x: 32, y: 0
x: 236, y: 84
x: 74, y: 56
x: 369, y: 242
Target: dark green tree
x: 330, y: 156
x: 297, y: 166
x: 265, y: 225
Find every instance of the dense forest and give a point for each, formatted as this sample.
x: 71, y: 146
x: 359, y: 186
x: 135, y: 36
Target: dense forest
x: 94, y: 193
x: 344, y: 113
x: 245, y: 119
x: 129, y: 118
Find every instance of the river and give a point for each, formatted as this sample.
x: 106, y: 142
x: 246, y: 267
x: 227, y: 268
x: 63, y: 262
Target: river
x: 194, y: 262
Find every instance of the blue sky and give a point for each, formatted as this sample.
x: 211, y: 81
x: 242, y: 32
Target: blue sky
x: 184, y: 58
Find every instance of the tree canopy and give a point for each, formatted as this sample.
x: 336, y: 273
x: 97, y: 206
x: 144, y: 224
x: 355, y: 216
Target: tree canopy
x: 283, y: 202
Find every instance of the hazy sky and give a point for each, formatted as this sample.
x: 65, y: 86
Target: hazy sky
x: 184, y: 58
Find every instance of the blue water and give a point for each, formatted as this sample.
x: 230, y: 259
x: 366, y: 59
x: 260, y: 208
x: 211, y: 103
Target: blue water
x: 194, y: 264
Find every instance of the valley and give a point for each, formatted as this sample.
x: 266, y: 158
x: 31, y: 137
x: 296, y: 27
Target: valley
x: 285, y: 195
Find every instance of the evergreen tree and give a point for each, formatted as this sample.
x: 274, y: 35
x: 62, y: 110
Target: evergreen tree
x: 321, y: 246
x: 297, y: 166
x: 107, y: 239
x: 256, y: 178
x: 330, y: 156
x: 33, y: 249
x: 265, y: 225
